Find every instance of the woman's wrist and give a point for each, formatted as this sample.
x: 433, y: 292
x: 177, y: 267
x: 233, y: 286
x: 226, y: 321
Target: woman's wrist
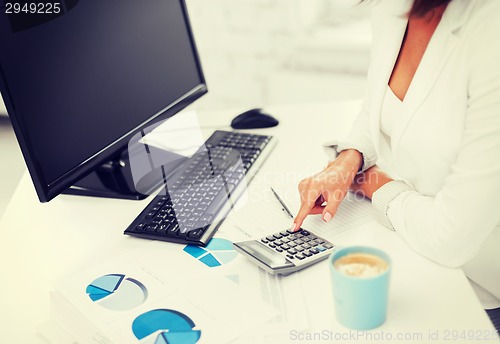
x: 349, y: 160
x: 370, y: 181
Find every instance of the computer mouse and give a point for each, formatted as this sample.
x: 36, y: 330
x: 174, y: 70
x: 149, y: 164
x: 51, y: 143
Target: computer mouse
x: 253, y: 119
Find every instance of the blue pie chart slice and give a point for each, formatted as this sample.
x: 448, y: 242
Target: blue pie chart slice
x: 175, y: 327
x: 108, y: 283
x: 117, y: 292
x: 218, y: 252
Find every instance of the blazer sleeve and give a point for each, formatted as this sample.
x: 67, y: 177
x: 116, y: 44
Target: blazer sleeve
x: 450, y: 227
x: 359, y: 137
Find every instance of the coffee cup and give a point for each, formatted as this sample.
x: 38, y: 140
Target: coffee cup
x: 360, y: 281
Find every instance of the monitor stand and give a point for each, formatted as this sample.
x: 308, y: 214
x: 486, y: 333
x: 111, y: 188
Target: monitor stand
x: 115, y: 178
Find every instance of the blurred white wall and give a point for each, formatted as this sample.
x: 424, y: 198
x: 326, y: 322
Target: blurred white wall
x: 261, y: 52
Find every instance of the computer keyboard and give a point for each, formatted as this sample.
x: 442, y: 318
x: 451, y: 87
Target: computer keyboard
x: 200, y: 194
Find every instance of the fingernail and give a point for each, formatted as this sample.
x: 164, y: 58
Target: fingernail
x: 294, y: 227
x: 327, y: 217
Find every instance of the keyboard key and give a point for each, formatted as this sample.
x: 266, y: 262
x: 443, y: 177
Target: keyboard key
x: 173, y: 231
x: 140, y: 227
x: 162, y: 229
x: 150, y: 228
x: 218, y: 201
x: 196, y: 233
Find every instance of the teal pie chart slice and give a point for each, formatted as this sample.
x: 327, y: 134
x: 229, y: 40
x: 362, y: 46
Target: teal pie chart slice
x: 165, y: 326
x: 117, y: 292
x: 218, y: 252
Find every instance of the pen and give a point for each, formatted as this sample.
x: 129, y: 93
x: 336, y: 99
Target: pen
x: 282, y: 203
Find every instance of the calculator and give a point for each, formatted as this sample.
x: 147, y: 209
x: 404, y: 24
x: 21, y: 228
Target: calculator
x: 285, y: 252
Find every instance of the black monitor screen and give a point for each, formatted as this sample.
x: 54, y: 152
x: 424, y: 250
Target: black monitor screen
x: 79, y: 80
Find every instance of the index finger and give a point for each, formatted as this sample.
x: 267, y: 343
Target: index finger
x: 307, y: 203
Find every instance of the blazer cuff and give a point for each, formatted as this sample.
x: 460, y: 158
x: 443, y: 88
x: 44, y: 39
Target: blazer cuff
x: 383, y: 197
x: 366, y: 149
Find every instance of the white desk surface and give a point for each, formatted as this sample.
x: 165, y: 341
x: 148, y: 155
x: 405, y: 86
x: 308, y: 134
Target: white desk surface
x: 41, y: 243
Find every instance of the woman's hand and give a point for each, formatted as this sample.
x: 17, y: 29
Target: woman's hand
x: 368, y: 182
x: 323, y: 192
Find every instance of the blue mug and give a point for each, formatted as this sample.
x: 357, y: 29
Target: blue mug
x: 360, y: 302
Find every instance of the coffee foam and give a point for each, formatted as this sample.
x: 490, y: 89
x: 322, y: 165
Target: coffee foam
x: 361, y: 265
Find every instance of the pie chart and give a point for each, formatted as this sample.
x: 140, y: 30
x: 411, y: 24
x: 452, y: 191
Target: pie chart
x: 117, y: 292
x: 218, y: 252
x: 165, y: 326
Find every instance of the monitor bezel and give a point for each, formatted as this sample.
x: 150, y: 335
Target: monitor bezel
x: 48, y: 191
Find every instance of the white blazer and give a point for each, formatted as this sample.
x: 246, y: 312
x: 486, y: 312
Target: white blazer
x: 446, y: 145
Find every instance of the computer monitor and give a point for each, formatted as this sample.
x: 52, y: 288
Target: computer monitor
x: 83, y: 81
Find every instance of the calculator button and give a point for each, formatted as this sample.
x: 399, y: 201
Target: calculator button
x: 299, y: 248
x: 278, y: 236
x: 278, y: 242
x: 285, y: 240
x: 270, y: 238
x: 314, y: 251
x: 298, y: 241
x: 299, y: 256
x: 306, y: 239
x: 320, y: 248
x: 290, y: 256
x: 285, y: 247
x: 298, y: 236
x: 264, y: 240
x: 292, y: 244
x: 327, y: 245
x: 285, y: 233
x: 292, y: 251
x: 272, y: 245
x: 279, y: 249
x: 306, y: 246
x: 307, y: 253
x: 305, y: 233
